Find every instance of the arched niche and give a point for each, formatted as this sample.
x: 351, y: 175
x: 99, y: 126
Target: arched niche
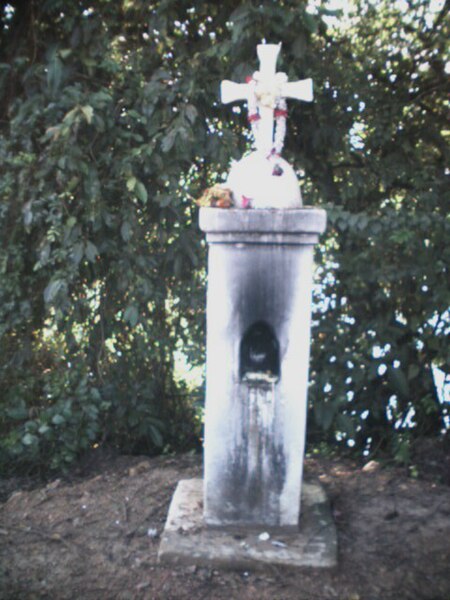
x: 259, y: 354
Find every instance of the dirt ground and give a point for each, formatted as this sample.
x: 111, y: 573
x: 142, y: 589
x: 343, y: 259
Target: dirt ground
x: 95, y: 535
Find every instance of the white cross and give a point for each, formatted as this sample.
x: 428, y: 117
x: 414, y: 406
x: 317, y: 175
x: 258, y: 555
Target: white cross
x: 270, y: 86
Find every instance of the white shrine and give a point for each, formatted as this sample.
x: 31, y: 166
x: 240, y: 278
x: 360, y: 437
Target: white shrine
x: 252, y: 506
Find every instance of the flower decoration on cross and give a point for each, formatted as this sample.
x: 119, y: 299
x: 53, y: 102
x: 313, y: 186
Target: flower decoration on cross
x: 266, y: 92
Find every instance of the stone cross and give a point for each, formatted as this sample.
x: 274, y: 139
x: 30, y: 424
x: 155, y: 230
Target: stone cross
x: 270, y: 87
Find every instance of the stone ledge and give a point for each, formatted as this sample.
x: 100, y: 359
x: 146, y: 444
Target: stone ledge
x: 251, y: 237
x: 186, y: 540
x: 270, y: 220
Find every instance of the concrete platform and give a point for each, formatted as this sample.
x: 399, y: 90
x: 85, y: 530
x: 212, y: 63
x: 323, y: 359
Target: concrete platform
x: 186, y: 541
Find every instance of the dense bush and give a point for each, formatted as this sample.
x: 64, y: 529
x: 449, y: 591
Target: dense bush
x: 110, y: 125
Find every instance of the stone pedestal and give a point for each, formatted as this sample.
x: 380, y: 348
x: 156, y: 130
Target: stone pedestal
x: 258, y: 337
x: 187, y: 541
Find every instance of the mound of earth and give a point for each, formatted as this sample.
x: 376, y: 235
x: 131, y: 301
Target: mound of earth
x: 96, y: 535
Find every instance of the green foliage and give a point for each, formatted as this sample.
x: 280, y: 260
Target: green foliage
x: 110, y: 124
x: 383, y: 325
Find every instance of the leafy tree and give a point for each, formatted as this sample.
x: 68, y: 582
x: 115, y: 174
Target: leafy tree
x: 384, y: 322
x: 110, y: 125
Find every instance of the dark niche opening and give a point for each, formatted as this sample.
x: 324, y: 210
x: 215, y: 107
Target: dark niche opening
x: 259, y: 358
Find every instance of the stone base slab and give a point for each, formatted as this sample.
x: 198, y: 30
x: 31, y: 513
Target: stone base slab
x: 187, y: 541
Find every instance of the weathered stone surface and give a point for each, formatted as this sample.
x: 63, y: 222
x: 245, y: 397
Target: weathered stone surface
x: 299, y: 222
x: 259, y: 277
x: 186, y: 540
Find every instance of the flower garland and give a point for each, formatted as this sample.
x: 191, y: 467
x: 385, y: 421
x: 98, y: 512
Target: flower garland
x: 280, y: 110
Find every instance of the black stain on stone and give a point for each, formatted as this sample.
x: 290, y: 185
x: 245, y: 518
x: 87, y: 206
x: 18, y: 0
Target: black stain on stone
x: 254, y: 484
x: 256, y: 473
x: 264, y: 287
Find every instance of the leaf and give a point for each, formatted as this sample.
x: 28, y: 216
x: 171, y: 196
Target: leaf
x: 398, y: 381
x: 51, y: 291
x: 126, y: 231
x: 44, y: 254
x: 299, y: 46
x: 101, y: 98
x: 77, y: 252
x: 95, y: 394
x: 27, y: 214
x: 70, y: 117
x: 156, y: 436
x: 131, y: 183
x: 58, y: 420
x: 18, y: 412
x: 71, y: 222
x: 65, y: 52
x: 363, y: 221
x: 243, y: 12
x: 29, y: 439
x: 324, y: 413
x: 413, y: 371
x: 168, y: 141
x: 131, y: 315
x: 88, y: 113
x: 54, y: 74
x: 141, y: 192
x: 337, y: 12
x: 183, y: 132
x: 91, y: 251
x: 345, y: 424
x: 89, y: 62
x: 165, y: 200
x: 403, y: 451
x: 329, y: 410
x: 310, y: 22
x: 191, y: 113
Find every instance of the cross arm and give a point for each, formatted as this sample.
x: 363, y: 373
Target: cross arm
x: 230, y: 91
x: 301, y: 90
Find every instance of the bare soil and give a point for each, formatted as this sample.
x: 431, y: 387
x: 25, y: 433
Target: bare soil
x: 96, y: 535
